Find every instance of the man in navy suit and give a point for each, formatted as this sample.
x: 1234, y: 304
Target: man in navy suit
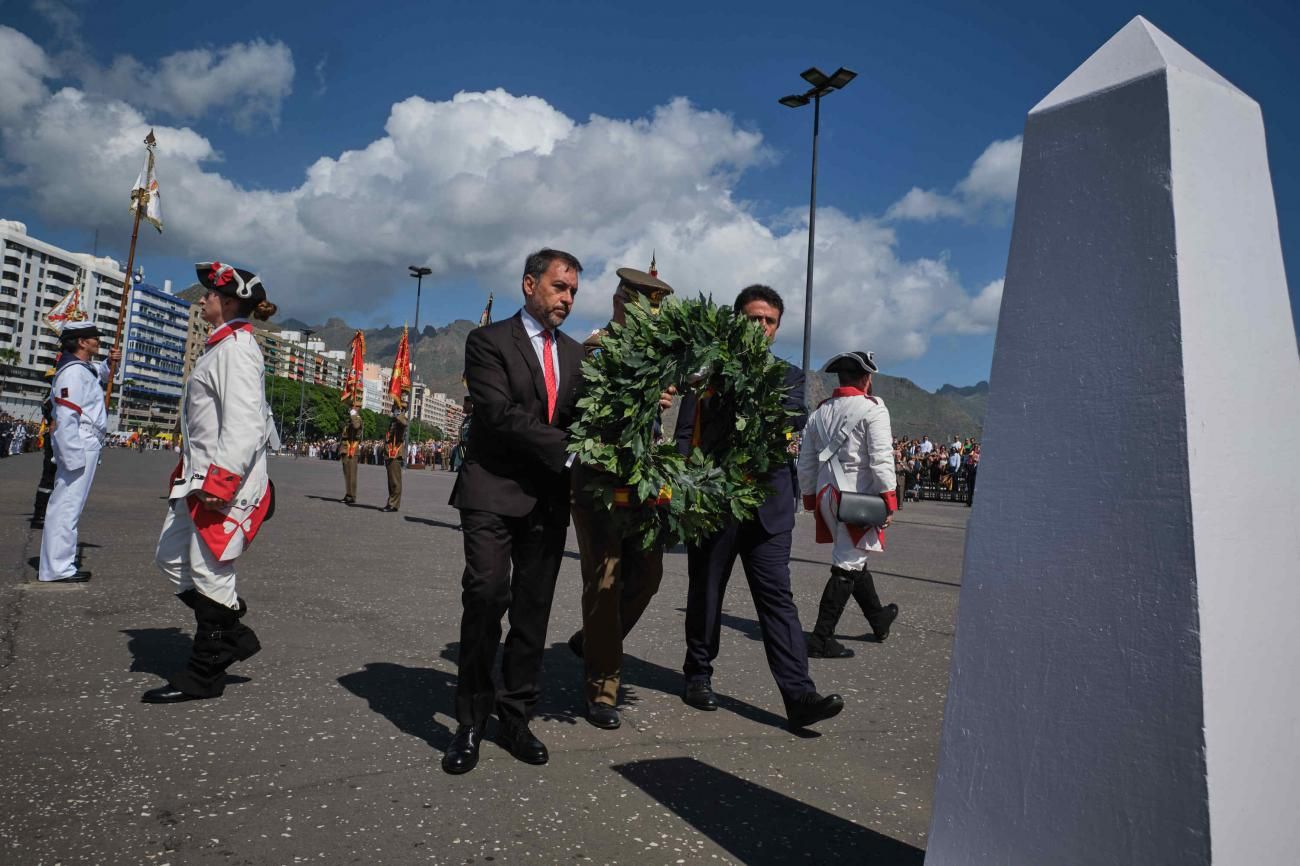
x: 763, y: 546
x: 513, y: 496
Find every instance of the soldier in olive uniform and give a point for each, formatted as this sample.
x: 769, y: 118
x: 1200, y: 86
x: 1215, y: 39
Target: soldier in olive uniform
x: 395, y: 457
x: 349, y: 445
x: 618, y: 577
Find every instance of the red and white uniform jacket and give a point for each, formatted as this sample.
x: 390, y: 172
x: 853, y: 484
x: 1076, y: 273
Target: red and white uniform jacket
x: 866, y: 458
x: 80, y: 420
x: 226, y: 426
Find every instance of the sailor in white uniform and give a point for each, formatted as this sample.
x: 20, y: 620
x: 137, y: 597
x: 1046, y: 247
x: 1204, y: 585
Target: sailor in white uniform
x: 80, y: 425
x: 220, y: 493
x: 848, y: 446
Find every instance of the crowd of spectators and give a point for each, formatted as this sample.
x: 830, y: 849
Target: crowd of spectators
x: 929, y: 470
x: 430, y: 454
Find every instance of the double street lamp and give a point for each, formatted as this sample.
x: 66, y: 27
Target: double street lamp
x: 822, y: 84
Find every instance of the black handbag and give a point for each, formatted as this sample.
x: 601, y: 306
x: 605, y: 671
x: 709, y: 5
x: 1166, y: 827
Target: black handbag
x: 861, y: 509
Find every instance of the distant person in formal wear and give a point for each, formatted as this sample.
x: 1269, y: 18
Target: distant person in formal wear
x: 395, y: 456
x: 349, y: 445
x: 79, y: 427
x: 762, y: 544
x: 618, y: 577
x: 221, y: 492
x: 847, y: 449
x: 513, y: 497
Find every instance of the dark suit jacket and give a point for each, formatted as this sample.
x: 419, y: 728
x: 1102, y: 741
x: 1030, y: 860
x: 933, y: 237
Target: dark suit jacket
x: 776, y: 514
x: 515, y: 458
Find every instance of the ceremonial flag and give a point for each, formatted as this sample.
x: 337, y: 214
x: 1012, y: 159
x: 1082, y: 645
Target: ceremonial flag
x: 401, y: 380
x: 486, y: 318
x: 352, y: 385
x: 144, y: 195
x: 67, y: 310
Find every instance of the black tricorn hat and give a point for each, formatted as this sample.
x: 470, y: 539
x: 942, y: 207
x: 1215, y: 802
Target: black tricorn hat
x: 230, y: 281
x: 852, y: 362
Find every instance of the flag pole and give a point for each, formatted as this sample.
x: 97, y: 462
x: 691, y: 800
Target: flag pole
x: 149, y: 142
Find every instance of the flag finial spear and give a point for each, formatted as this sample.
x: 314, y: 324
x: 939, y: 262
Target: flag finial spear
x: 654, y: 271
x: 149, y: 140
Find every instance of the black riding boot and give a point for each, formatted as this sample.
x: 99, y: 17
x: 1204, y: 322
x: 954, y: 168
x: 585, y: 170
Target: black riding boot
x: 822, y: 643
x: 218, y: 643
x: 879, y: 616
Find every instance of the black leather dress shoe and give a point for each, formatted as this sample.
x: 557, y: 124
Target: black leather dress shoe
x: 829, y: 648
x: 520, y: 742
x: 388, y: 508
x: 881, y: 621
x: 575, y: 643
x: 603, y: 715
x: 462, y: 754
x: 700, y: 695
x: 79, y: 577
x: 812, y: 708
x: 167, y: 694
x: 348, y: 500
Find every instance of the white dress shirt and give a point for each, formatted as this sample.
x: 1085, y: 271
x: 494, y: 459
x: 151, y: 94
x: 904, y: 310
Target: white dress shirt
x: 534, y: 330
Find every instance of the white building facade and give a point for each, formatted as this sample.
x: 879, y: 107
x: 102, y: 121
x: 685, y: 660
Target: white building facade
x: 35, y: 276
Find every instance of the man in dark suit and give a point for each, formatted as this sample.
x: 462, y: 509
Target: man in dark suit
x: 513, y: 496
x: 763, y: 546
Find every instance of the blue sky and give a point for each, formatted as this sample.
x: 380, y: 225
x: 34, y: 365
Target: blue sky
x: 248, y: 97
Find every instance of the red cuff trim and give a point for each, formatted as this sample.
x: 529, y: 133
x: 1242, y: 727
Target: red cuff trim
x: 68, y: 404
x: 891, y: 500
x: 809, y: 501
x: 221, y: 483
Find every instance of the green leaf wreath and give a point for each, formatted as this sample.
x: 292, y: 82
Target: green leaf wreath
x: 700, y: 347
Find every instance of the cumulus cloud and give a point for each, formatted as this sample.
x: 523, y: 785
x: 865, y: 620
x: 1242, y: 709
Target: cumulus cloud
x: 469, y: 185
x: 985, y: 193
x: 247, y: 81
x: 23, y: 70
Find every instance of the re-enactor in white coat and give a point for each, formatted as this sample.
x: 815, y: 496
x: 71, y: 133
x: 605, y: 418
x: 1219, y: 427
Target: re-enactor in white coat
x: 80, y: 425
x: 220, y: 491
x: 849, y: 432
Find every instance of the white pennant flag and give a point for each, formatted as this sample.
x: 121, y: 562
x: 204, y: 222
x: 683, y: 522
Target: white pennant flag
x: 144, y: 195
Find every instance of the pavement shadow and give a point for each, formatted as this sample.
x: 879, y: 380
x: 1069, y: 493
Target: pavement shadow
x: 757, y: 825
x: 35, y: 561
x: 748, y: 627
x: 162, y: 651
x: 408, y: 697
x: 428, y: 521
x: 339, y: 501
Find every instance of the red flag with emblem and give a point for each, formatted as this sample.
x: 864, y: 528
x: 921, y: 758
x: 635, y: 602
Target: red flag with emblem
x: 353, y: 388
x: 401, y: 380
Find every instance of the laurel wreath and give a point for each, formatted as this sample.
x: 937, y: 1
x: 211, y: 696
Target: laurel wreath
x: 650, y: 489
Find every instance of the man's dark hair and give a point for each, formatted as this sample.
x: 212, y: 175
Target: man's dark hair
x: 537, y: 263
x: 851, y: 377
x: 68, y: 343
x: 759, y: 292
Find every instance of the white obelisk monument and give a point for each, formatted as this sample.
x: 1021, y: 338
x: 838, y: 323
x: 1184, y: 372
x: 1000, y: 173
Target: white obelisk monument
x: 1126, y: 673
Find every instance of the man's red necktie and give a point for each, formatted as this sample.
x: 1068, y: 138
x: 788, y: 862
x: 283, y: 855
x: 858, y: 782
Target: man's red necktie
x: 548, y: 372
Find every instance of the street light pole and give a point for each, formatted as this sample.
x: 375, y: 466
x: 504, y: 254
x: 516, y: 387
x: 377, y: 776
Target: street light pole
x: 812, y: 236
x: 822, y: 84
x: 419, y: 273
x: 302, y: 388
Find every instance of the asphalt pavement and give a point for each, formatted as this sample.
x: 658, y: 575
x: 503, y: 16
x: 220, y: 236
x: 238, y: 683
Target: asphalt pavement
x: 326, y: 745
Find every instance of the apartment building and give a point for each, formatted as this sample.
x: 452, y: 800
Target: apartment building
x: 35, y: 276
